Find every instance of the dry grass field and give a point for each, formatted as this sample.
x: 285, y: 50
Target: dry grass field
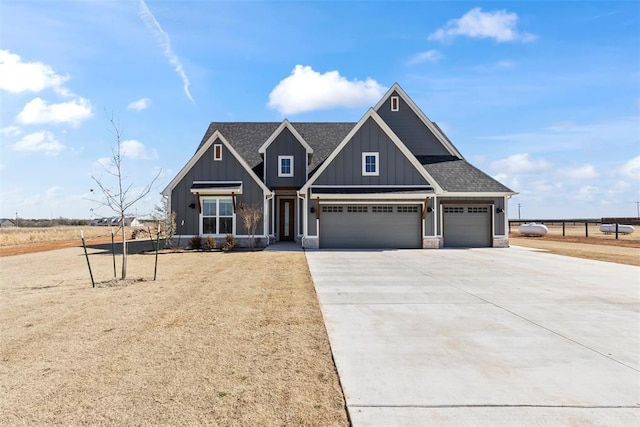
x: 218, y: 339
x: 598, y: 245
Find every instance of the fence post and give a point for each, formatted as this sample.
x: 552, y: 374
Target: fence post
x: 563, y: 228
x: 586, y: 229
x: 617, y: 231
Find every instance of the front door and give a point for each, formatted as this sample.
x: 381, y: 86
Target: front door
x: 287, y: 215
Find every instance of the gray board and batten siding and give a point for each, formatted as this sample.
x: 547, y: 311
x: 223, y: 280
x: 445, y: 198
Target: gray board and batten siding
x: 208, y: 169
x: 411, y: 130
x: 285, y: 144
x: 394, y: 167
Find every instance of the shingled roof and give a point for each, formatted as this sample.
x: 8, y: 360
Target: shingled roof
x: 247, y: 138
x: 457, y: 175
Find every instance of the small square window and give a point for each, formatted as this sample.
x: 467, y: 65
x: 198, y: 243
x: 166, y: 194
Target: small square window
x: 395, y: 103
x: 285, y: 166
x: 370, y: 164
x: 217, y: 151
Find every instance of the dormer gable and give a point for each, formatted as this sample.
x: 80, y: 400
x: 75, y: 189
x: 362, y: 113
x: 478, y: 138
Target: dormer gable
x: 286, y: 158
x: 422, y: 136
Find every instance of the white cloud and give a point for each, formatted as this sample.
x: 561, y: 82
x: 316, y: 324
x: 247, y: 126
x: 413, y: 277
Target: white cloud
x: 510, y: 181
x: 10, y: 131
x: 133, y: 149
x: 582, y: 172
x: 499, y: 25
x: 163, y: 39
x: 40, y: 141
x: 140, y: 104
x: 308, y: 90
x: 426, y: 56
x: 17, y: 76
x: 520, y: 163
x: 631, y: 168
x: 587, y: 192
x: 37, y: 111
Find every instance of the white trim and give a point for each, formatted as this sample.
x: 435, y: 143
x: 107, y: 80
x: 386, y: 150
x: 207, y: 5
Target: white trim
x: 371, y: 113
x: 285, y: 124
x: 369, y: 202
x: 194, y: 159
x: 215, y: 149
x: 280, y: 173
x: 446, y: 195
x: 371, y: 196
x: 369, y: 186
x: 217, y: 190
x: 376, y: 156
x: 434, y: 129
x: 217, y: 216
x: 397, y: 102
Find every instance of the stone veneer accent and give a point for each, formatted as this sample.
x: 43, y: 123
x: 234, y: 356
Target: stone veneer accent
x: 431, y: 242
x: 500, y: 242
x: 311, y: 242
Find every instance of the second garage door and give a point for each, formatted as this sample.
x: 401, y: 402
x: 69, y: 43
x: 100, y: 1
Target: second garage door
x: 467, y: 226
x: 370, y: 226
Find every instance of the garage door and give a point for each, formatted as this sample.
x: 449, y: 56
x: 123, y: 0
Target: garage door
x: 467, y: 226
x: 370, y: 226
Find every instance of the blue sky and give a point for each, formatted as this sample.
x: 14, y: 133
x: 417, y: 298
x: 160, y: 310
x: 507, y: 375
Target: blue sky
x: 544, y: 96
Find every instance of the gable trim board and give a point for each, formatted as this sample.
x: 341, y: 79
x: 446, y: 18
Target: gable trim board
x: 203, y: 149
x: 392, y: 136
x: 428, y: 123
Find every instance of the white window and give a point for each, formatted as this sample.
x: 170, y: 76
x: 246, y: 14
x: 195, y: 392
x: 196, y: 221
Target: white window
x: 285, y: 166
x: 370, y: 164
x: 395, y: 103
x: 217, y: 216
x: 217, y: 151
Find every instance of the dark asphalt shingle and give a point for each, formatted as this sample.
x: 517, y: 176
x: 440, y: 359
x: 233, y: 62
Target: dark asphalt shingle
x: 457, y: 175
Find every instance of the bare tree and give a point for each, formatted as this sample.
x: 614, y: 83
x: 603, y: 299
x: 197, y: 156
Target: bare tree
x: 121, y: 198
x: 251, y: 216
x: 166, y: 220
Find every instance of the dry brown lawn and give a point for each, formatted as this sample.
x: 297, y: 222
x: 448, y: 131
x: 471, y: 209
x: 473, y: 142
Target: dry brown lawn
x: 598, y: 245
x: 218, y: 339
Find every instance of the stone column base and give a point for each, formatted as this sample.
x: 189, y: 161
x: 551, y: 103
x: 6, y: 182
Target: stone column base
x: 310, y: 242
x: 500, y: 242
x: 431, y: 242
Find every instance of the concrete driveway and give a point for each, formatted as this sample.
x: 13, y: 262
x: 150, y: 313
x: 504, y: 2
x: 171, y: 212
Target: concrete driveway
x: 482, y: 336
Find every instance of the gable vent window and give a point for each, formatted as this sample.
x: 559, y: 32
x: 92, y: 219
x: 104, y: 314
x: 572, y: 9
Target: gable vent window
x: 285, y: 166
x: 395, y: 103
x: 217, y: 151
x: 370, y: 164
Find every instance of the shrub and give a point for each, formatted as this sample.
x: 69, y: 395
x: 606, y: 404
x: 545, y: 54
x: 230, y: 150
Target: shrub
x: 210, y: 243
x: 195, y: 242
x: 229, y: 243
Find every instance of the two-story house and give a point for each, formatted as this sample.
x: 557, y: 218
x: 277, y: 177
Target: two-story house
x: 391, y: 180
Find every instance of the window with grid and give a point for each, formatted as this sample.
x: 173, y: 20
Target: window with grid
x: 370, y: 164
x: 407, y: 209
x: 334, y: 209
x: 355, y: 209
x: 453, y: 209
x: 382, y: 209
x: 285, y: 166
x: 217, y: 216
x: 477, y: 209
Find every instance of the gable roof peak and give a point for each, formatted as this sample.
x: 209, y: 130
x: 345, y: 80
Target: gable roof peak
x: 285, y: 124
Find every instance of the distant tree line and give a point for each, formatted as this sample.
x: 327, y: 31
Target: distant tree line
x: 56, y: 222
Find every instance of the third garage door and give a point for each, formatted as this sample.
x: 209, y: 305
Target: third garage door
x: 467, y: 226
x: 370, y: 226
